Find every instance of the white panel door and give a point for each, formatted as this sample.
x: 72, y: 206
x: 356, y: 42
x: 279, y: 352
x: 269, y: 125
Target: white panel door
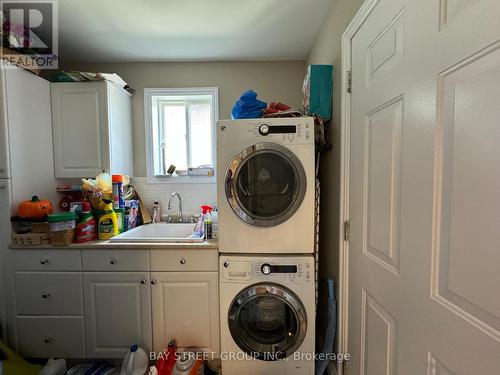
x: 185, y: 308
x: 117, y: 312
x: 80, y: 129
x: 424, y: 287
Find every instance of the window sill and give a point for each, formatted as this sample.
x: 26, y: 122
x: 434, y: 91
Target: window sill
x: 182, y: 180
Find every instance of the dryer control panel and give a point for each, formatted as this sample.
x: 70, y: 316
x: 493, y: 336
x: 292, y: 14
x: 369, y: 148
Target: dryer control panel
x: 286, y: 133
x: 283, y: 270
x: 290, y: 131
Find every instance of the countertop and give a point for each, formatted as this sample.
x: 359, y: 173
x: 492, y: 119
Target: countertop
x: 107, y: 245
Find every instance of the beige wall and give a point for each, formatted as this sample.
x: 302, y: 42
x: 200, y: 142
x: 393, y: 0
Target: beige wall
x: 327, y: 50
x: 273, y: 81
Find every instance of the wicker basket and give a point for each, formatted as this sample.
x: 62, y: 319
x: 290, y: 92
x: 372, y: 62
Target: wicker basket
x: 30, y: 239
x: 31, y: 66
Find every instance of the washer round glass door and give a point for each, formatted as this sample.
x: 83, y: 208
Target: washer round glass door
x: 265, y: 184
x: 267, y: 321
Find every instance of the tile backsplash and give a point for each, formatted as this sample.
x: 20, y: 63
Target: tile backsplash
x: 193, y: 195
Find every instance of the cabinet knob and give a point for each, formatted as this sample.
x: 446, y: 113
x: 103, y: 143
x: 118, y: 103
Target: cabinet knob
x: 46, y: 295
x: 143, y: 281
x: 153, y: 282
x: 44, y: 261
x: 47, y: 340
x: 226, y: 264
x: 183, y: 261
x: 112, y: 261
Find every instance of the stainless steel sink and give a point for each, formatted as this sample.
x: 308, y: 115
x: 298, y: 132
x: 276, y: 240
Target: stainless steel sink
x: 159, y: 233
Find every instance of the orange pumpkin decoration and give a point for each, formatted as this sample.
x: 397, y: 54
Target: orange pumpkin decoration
x: 36, y: 208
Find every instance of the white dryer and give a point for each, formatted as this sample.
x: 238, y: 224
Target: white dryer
x: 265, y: 185
x: 267, y: 309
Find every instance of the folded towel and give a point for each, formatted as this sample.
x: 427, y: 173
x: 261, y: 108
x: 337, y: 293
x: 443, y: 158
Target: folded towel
x: 248, y: 106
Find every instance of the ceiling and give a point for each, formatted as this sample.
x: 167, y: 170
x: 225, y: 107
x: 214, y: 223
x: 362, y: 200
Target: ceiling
x: 188, y: 30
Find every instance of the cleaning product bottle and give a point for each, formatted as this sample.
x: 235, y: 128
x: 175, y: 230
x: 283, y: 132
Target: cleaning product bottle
x: 136, y: 362
x: 108, y: 222
x: 117, y: 189
x: 120, y: 215
x: 207, y: 221
x: 156, y: 212
x: 199, y: 230
x: 86, y: 228
x: 215, y: 222
x: 54, y: 367
x: 166, y: 363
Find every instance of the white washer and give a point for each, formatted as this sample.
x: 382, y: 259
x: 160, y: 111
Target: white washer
x: 267, y: 315
x: 265, y: 185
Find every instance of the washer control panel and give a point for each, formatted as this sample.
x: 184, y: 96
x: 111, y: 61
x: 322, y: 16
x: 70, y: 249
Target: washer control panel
x: 285, y: 269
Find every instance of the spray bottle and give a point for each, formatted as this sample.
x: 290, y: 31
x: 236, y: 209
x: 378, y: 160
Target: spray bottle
x: 156, y: 212
x: 207, y: 221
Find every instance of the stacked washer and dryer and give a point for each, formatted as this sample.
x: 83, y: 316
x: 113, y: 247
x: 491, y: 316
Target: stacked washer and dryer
x: 266, y: 197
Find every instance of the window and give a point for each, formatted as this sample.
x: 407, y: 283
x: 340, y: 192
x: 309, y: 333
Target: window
x: 180, y: 129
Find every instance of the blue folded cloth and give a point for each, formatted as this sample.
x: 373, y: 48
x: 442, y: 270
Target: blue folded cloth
x: 248, y: 106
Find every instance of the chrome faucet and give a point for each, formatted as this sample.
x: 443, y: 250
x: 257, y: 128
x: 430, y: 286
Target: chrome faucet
x: 169, y: 206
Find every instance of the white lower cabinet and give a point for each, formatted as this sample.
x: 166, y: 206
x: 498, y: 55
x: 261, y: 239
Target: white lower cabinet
x: 117, y: 312
x: 185, y: 308
x: 97, y: 303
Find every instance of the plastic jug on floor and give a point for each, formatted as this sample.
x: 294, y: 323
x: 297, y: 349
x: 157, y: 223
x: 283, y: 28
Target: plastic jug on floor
x: 136, y: 362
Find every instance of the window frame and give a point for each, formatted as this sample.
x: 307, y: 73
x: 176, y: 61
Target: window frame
x: 150, y: 147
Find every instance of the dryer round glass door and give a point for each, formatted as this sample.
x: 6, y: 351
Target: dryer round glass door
x: 265, y: 184
x: 267, y: 321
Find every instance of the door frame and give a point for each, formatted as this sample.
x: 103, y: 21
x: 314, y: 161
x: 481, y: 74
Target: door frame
x: 345, y: 130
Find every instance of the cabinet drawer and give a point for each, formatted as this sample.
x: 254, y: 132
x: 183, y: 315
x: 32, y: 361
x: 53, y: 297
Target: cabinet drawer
x: 184, y: 260
x: 51, y: 337
x: 113, y: 260
x: 49, y: 293
x: 47, y: 260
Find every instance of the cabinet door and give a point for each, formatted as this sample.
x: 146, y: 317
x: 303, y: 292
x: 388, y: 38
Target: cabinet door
x: 117, y: 312
x: 30, y: 135
x: 6, y: 281
x: 120, y: 129
x: 4, y: 146
x: 185, y: 308
x: 80, y: 129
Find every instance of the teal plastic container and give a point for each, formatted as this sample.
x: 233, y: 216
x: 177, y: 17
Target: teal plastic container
x: 317, y: 91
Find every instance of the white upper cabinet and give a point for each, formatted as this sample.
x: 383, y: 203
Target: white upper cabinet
x: 4, y: 147
x: 92, y: 129
x: 28, y: 122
